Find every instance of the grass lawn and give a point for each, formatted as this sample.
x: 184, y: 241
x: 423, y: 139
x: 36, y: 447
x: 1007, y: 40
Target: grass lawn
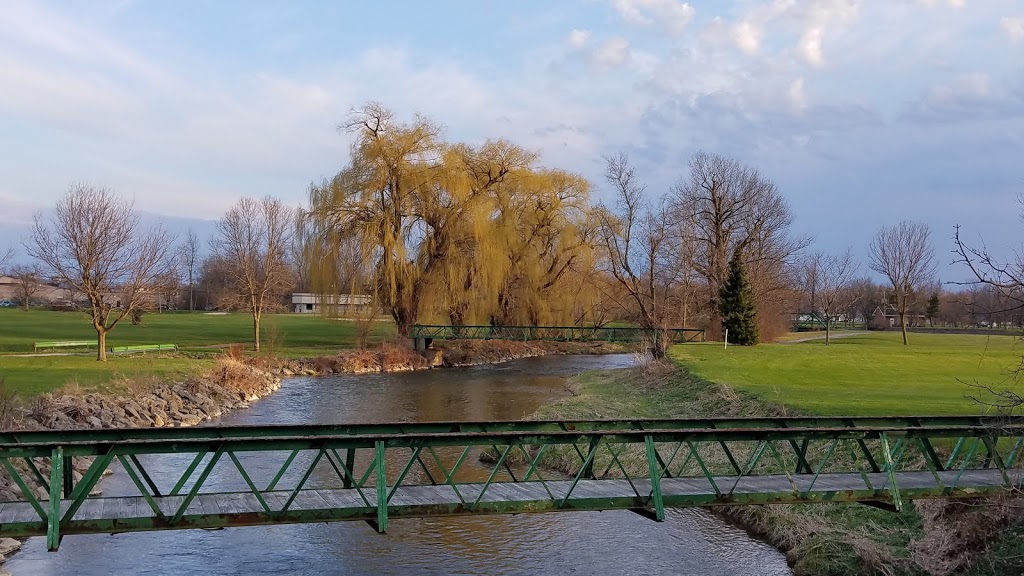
x: 870, y: 374
x: 19, y: 329
x: 291, y: 335
x: 31, y: 376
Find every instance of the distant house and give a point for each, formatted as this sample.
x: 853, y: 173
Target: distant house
x: 885, y: 317
x: 10, y: 289
x: 307, y: 303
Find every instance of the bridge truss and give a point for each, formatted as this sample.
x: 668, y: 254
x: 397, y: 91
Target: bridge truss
x: 212, y: 477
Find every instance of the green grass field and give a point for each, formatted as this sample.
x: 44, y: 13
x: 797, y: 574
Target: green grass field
x: 290, y: 335
x: 18, y: 329
x: 871, y: 374
x: 31, y: 376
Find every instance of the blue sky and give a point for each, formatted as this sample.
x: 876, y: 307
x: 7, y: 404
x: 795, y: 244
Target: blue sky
x: 863, y: 112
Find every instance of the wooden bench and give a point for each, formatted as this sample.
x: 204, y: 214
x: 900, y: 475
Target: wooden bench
x: 144, y: 348
x: 52, y: 344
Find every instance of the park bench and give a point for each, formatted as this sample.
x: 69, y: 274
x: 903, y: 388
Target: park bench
x: 144, y: 348
x: 52, y: 344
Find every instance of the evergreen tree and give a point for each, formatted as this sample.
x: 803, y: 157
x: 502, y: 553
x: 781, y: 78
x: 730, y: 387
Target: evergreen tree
x: 736, y: 304
x: 932, y: 312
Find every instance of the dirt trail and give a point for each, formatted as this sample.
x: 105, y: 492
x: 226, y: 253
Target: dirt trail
x: 822, y: 337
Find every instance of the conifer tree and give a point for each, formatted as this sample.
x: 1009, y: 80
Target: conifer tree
x: 736, y: 305
x: 934, y: 307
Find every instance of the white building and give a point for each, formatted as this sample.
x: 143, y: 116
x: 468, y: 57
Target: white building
x: 307, y: 303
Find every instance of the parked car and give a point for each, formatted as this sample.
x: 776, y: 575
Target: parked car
x: 8, y: 303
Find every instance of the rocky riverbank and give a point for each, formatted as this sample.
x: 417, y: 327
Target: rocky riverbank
x: 451, y: 353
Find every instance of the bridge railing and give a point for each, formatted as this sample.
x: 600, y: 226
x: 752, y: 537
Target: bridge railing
x: 242, y: 476
x: 553, y: 333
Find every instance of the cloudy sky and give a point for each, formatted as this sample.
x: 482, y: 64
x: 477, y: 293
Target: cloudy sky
x: 864, y: 112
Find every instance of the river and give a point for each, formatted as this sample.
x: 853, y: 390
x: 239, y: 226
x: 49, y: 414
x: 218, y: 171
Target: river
x: 690, y: 541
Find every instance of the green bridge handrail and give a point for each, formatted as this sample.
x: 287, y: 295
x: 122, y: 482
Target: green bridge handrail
x: 215, y: 432
x: 557, y: 333
x: 374, y: 472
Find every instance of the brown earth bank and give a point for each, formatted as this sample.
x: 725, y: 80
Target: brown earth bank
x: 452, y: 353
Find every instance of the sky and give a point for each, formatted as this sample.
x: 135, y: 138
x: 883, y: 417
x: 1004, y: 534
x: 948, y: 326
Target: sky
x: 864, y: 112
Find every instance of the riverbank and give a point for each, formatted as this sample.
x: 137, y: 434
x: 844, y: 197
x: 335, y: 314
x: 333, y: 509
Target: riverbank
x: 821, y: 539
x: 448, y: 354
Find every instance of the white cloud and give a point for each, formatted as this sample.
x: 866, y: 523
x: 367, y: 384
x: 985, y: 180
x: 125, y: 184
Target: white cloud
x: 673, y: 15
x: 1013, y: 27
x: 578, y: 38
x: 810, y: 47
x: 612, y: 53
x: 747, y: 37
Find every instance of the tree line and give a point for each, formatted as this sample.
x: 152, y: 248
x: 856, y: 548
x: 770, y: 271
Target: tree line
x: 434, y: 231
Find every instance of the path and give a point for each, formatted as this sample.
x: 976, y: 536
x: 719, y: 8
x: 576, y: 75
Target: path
x: 822, y: 337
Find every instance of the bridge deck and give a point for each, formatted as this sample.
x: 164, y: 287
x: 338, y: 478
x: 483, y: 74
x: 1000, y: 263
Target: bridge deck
x: 103, y: 514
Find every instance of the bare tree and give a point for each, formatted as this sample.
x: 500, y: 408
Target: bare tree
x: 1004, y: 277
x: 94, y: 245
x: 732, y: 207
x: 5, y: 257
x: 810, y: 276
x: 903, y: 253
x: 636, y: 239
x: 189, y: 257
x: 29, y: 279
x: 252, y: 243
x: 833, y: 274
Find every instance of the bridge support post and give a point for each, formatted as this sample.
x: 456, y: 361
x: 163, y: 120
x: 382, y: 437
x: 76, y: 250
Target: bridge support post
x: 588, y: 470
x: 53, y: 508
x: 350, y: 466
x: 69, y: 477
x: 382, y: 487
x: 890, y: 468
x: 652, y: 463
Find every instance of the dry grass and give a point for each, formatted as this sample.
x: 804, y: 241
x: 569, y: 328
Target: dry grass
x: 233, y: 374
x: 10, y: 410
x: 958, y: 533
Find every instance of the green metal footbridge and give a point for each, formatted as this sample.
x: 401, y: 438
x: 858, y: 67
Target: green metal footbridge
x: 423, y: 334
x: 213, y: 477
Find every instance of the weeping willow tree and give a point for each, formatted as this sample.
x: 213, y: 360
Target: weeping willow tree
x: 462, y: 241
x: 540, y: 228
x: 452, y: 232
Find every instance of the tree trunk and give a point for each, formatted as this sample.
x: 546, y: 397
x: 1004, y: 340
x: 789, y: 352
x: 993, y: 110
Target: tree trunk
x: 101, y: 345
x: 403, y: 319
x: 828, y: 332
x: 903, y: 326
x: 256, y: 330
